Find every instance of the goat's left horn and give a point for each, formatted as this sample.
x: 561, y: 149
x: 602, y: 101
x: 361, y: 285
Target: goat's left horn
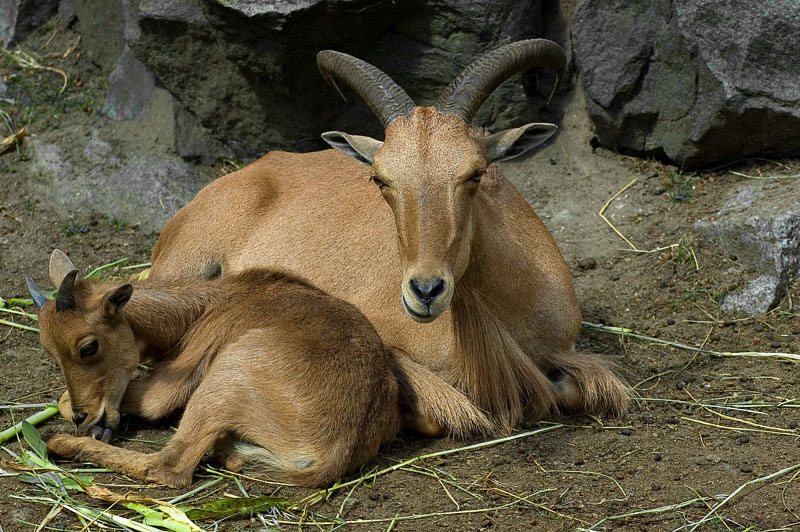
x: 36, y: 294
x: 65, y: 300
x: 465, y: 94
x: 385, y: 97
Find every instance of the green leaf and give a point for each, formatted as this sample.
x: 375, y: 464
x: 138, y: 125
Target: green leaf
x: 232, y: 506
x: 95, y: 274
x: 31, y: 436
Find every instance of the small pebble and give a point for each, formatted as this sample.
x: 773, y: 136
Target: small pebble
x: 743, y: 439
x: 374, y: 495
x: 673, y: 420
x: 793, y: 424
x: 579, y: 461
x: 587, y: 264
x: 615, y: 276
x: 619, y: 475
x: 733, y: 257
x: 775, y: 345
x: 657, y: 457
x: 746, y: 468
x: 626, y: 431
x: 680, y: 384
x: 670, y: 321
x: 715, y: 338
x: 655, y: 487
x: 660, y: 189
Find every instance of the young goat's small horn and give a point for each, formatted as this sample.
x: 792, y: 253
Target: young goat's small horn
x: 65, y: 300
x: 36, y: 294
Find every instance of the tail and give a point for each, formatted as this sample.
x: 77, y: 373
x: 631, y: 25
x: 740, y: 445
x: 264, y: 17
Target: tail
x: 434, y: 408
x: 590, y: 384
x: 307, y: 470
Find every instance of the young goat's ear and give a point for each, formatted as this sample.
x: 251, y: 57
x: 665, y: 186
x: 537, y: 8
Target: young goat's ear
x: 511, y: 143
x: 360, y: 148
x: 114, y: 301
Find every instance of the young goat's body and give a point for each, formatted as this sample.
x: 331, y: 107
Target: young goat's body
x: 269, y: 369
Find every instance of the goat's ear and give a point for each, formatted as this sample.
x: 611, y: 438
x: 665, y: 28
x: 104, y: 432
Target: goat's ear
x: 511, y: 143
x: 60, y: 266
x: 114, y: 301
x: 360, y: 148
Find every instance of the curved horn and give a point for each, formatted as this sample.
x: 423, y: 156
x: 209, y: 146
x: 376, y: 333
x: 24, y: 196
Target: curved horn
x: 465, y: 95
x: 36, y: 294
x: 385, y: 97
x: 65, y: 300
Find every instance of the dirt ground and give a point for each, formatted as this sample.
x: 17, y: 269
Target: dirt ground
x: 702, y: 426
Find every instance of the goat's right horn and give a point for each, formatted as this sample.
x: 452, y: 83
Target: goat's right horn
x: 36, y: 294
x: 385, y: 97
x: 65, y: 299
x: 465, y: 94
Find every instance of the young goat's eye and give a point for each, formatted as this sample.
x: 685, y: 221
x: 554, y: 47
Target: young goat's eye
x: 89, y: 349
x: 476, y: 177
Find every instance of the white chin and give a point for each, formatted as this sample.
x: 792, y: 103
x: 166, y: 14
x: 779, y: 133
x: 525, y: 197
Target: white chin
x: 421, y: 318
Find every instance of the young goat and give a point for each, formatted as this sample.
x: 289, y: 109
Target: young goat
x: 260, y: 358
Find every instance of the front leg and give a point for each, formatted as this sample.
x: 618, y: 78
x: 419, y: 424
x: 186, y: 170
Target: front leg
x: 167, y: 388
x: 65, y: 406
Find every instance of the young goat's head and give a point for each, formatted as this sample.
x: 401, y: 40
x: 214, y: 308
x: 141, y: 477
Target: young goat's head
x: 430, y: 165
x: 86, y: 333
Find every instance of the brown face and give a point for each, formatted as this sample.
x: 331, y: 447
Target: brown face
x: 97, y: 353
x: 428, y: 170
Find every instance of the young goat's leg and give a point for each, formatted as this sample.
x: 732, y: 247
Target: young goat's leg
x: 167, y: 389
x: 172, y: 466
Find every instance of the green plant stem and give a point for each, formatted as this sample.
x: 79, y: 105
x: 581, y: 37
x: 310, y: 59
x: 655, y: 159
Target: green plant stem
x: 35, y: 419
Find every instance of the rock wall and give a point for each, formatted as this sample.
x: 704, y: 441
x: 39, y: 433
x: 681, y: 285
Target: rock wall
x: 697, y: 82
x: 244, y: 73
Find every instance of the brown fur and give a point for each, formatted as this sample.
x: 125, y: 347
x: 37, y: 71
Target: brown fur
x: 506, y: 343
x: 270, y: 370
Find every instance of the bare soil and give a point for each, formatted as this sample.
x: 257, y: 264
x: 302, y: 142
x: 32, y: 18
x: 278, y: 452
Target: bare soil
x: 676, y: 445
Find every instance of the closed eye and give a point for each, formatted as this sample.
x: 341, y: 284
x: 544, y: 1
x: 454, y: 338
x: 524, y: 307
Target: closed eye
x: 476, y: 176
x: 378, y: 181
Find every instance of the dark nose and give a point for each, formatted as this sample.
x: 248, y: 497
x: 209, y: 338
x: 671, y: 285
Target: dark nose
x: 427, y: 291
x: 79, y: 418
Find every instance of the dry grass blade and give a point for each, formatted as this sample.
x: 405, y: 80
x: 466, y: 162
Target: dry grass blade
x: 325, y: 493
x: 715, y: 509
x: 767, y: 177
x: 10, y: 142
x: 606, y: 220
x: 621, y: 331
x: 26, y: 60
x: 650, y: 511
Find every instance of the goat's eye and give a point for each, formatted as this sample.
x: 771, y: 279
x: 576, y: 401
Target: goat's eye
x: 476, y: 177
x: 377, y: 181
x: 89, y: 349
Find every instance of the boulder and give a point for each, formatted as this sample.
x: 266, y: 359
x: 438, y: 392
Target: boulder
x: 759, y: 226
x: 696, y: 82
x: 20, y: 17
x: 246, y: 70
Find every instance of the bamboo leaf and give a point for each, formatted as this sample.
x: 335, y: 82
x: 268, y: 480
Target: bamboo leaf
x: 33, y: 438
x: 232, y: 506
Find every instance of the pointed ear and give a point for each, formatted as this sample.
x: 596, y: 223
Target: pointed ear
x: 60, y: 266
x: 360, y: 148
x: 511, y: 143
x: 114, y: 301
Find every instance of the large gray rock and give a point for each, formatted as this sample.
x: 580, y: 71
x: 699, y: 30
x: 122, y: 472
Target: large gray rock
x: 246, y: 70
x: 698, y: 82
x: 760, y: 225
x: 19, y: 17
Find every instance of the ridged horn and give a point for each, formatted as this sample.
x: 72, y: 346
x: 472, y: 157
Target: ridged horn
x: 65, y: 300
x: 385, y: 97
x: 465, y: 95
x: 36, y: 294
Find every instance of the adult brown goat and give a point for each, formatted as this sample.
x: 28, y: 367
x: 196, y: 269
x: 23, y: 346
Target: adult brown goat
x: 259, y: 357
x: 442, y: 238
